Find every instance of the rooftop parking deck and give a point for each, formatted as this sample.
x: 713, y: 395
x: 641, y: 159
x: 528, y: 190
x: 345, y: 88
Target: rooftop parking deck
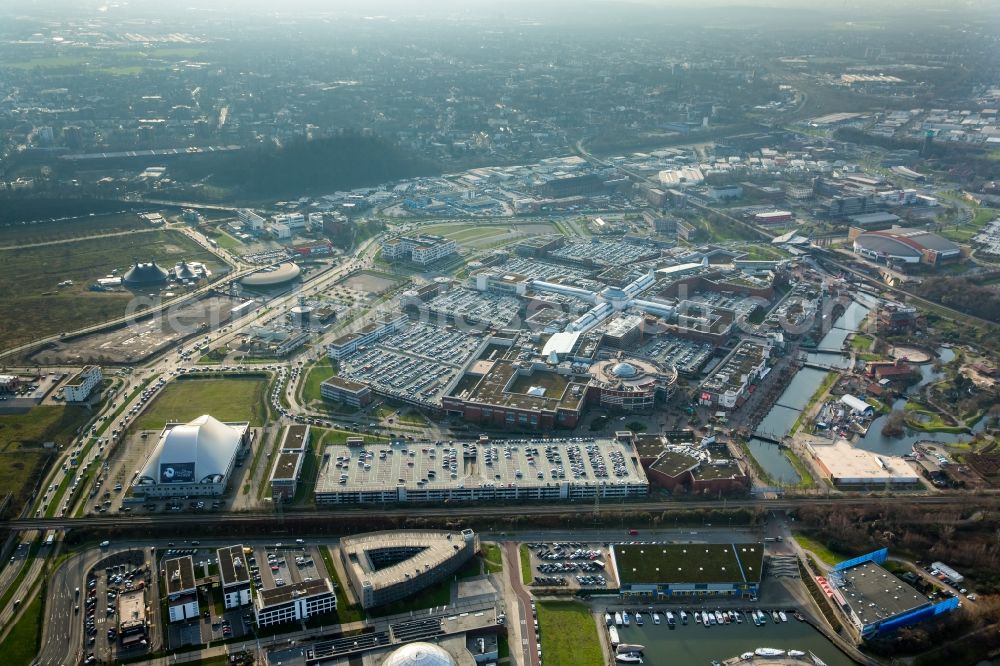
x: 442, y: 465
x: 419, y: 362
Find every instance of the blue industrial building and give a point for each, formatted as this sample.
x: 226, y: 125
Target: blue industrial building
x: 876, y: 601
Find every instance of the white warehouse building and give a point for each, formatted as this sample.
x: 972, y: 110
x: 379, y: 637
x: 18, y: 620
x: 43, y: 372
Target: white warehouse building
x: 195, y: 458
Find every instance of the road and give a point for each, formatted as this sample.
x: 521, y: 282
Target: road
x: 110, y: 234
x: 34, y: 569
x: 525, y: 618
x: 62, y: 629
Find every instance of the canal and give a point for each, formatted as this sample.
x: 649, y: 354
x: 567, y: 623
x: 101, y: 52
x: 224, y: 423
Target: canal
x: 696, y: 645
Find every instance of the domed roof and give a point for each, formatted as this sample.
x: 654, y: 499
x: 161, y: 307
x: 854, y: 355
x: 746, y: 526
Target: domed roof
x: 145, y: 273
x: 199, y: 451
x: 624, y: 370
x: 273, y: 276
x: 420, y: 654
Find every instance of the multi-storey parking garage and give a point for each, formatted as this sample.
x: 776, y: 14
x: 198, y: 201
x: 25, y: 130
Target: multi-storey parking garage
x: 518, y: 469
x: 417, y: 364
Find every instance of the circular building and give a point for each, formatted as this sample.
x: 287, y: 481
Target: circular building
x: 906, y: 246
x: 420, y: 654
x: 273, y: 276
x: 144, y: 275
x: 632, y: 384
x: 301, y: 315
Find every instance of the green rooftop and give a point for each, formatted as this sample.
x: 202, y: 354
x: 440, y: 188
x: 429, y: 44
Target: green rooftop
x: 689, y: 563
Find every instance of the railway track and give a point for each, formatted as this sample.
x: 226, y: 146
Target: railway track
x: 201, y: 522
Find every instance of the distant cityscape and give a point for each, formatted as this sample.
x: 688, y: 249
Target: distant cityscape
x: 448, y: 335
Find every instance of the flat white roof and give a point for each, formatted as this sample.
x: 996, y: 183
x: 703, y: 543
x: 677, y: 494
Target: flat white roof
x: 847, y: 464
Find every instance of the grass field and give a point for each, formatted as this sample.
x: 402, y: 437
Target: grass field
x: 21, y: 439
x: 964, y: 233
x: 492, y: 557
x: 820, y: 550
x: 235, y: 399
x: 42, y: 232
x: 760, y: 252
x: 34, y: 306
x: 569, y: 635
x: 318, y: 373
x: 121, y: 62
x: 21, y: 644
x: 861, y: 343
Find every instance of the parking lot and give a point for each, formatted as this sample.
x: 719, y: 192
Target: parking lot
x: 285, y: 564
x: 603, y: 253
x: 687, y: 356
x: 541, y: 270
x: 571, y: 564
x: 475, y: 307
x: 418, y: 362
x: 113, y: 577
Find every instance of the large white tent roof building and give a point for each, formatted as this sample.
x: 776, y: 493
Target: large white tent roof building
x: 194, y: 458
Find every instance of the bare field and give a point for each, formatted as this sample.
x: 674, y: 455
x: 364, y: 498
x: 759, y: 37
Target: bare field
x: 370, y: 282
x: 140, y: 339
x: 35, y: 306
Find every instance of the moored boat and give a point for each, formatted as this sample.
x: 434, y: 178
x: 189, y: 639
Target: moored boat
x: 656, y: 617
x: 608, y: 619
x: 626, y: 619
x: 769, y: 652
x: 613, y: 636
x: 618, y: 619
x: 781, y: 614
x: 796, y: 653
x: 638, y: 619
x: 630, y: 647
x: 628, y: 658
x: 671, y: 622
x: 774, y: 616
x: 684, y: 617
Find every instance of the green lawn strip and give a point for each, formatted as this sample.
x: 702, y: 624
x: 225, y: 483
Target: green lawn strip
x: 806, y: 479
x: 307, y: 478
x: 438, y: 594
x: 569, y: 635
x: 828, y: 381
x: 21, y: 645
x: 526, y: 574
x: 819, y: 549
x: 503, y: 647
x: 492, y: 557
x: 345, y: 613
